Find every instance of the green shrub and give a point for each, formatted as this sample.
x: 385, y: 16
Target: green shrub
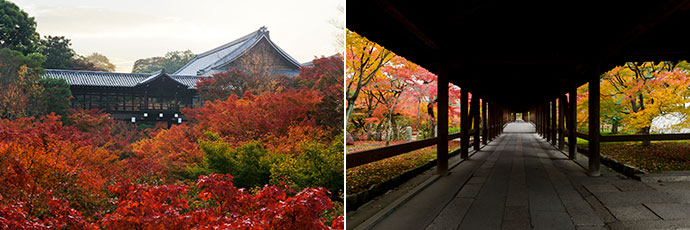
x: 316, y: 165
x: 249, y: 164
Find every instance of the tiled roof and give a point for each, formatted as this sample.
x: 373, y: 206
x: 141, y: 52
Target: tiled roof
x: 203, y: 63
x: 97, y: 78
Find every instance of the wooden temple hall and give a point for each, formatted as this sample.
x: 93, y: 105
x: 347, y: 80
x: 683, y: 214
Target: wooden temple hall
x: 517, y: 57
x: 161, y: 96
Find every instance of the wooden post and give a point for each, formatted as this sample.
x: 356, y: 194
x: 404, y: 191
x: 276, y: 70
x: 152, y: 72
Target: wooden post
x: 561, y: 121
x: 572, y: 128
x: 594, y: 137
x: 547, y: 134
x: 545, y: 110
x: 464, y: 124
x: 497, y: 123
x: 554, y: 118
x: 485, y: 130
x: 537, y: 121
x: 489, y: 121
x: 543, y: 121
x: 540, y: 120
x: 501, y: 121
x: 475, y: 118
x: 494, y: 122
x: 442, y: 123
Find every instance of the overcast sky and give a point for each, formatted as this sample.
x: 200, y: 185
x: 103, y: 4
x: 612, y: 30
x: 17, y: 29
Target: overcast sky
x: 127, y: 30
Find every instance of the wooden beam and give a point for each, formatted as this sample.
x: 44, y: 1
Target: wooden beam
x: 584, y: 136
x: 657, y: 16
x: 454, y: 135
x: 367, y: 156
x: 648, y: 137
x: 411, y: 27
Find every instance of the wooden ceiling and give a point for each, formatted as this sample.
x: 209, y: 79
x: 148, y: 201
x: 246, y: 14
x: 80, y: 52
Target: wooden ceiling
x: 520, y: 53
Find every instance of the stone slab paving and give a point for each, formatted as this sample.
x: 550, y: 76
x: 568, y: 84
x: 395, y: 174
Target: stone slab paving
x: 519, y: 181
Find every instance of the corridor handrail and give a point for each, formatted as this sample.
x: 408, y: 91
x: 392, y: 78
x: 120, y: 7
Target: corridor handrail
x: 367, y: 156
x: 638, y: 137
x: 646, y: 137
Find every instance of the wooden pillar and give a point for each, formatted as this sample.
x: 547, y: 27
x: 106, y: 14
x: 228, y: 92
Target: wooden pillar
x: 547, y: 122
x: 547, y: 112
x: 464, y: 124
x: 494, y: 115
x: 547, y: 119
x: 594, y: 93
x: 554, y: 126
x: 572, y: 128
x: 537, y: 121
x: 540, y: 120
x: 497, y: 130
x: 146, y: 100
x: 490, y: 122
x: 475, y: 117
x: 561, y: 121
x: 485, y: 130
x: 501, y: 120
x: 442, y: 122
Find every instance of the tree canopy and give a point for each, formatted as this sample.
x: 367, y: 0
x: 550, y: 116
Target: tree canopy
x: 364, y: 60
x: 57, y: 51
x: 19, y: 88
x: 171, y: 62
x: 100, y: 61
x: 17, y: 29
x: 636, y: 93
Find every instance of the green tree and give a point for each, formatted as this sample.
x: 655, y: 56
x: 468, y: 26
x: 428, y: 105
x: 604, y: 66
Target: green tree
x: 683, y: 65
x: 57, y: 51
x: 19, y: 88
x: 250, y: 163
x: 315, y: 165
x: 172, y: 61
x: 56, y: 95
x: 17, y: 29
x: 100, y: 61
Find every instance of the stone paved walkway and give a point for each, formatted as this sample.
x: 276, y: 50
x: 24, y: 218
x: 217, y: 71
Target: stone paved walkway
x: 519, y: 181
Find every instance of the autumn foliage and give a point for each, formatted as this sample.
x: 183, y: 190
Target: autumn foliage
x: 88, y: 171
x: 218, y: 205
x: 386, y: 93
x: 256, y: 116
x: 635, y: 94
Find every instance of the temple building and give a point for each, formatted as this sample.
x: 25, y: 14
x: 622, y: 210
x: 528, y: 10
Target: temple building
x: 161, y: 96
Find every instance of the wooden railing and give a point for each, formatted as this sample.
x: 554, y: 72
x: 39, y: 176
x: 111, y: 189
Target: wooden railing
x: 639, y: 137
x: 367, y: 156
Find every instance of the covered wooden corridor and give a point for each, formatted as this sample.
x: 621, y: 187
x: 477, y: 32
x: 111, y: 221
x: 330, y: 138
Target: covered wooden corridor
x: 520, y: 181
x: 523, y: 57
x: 519, y: 56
